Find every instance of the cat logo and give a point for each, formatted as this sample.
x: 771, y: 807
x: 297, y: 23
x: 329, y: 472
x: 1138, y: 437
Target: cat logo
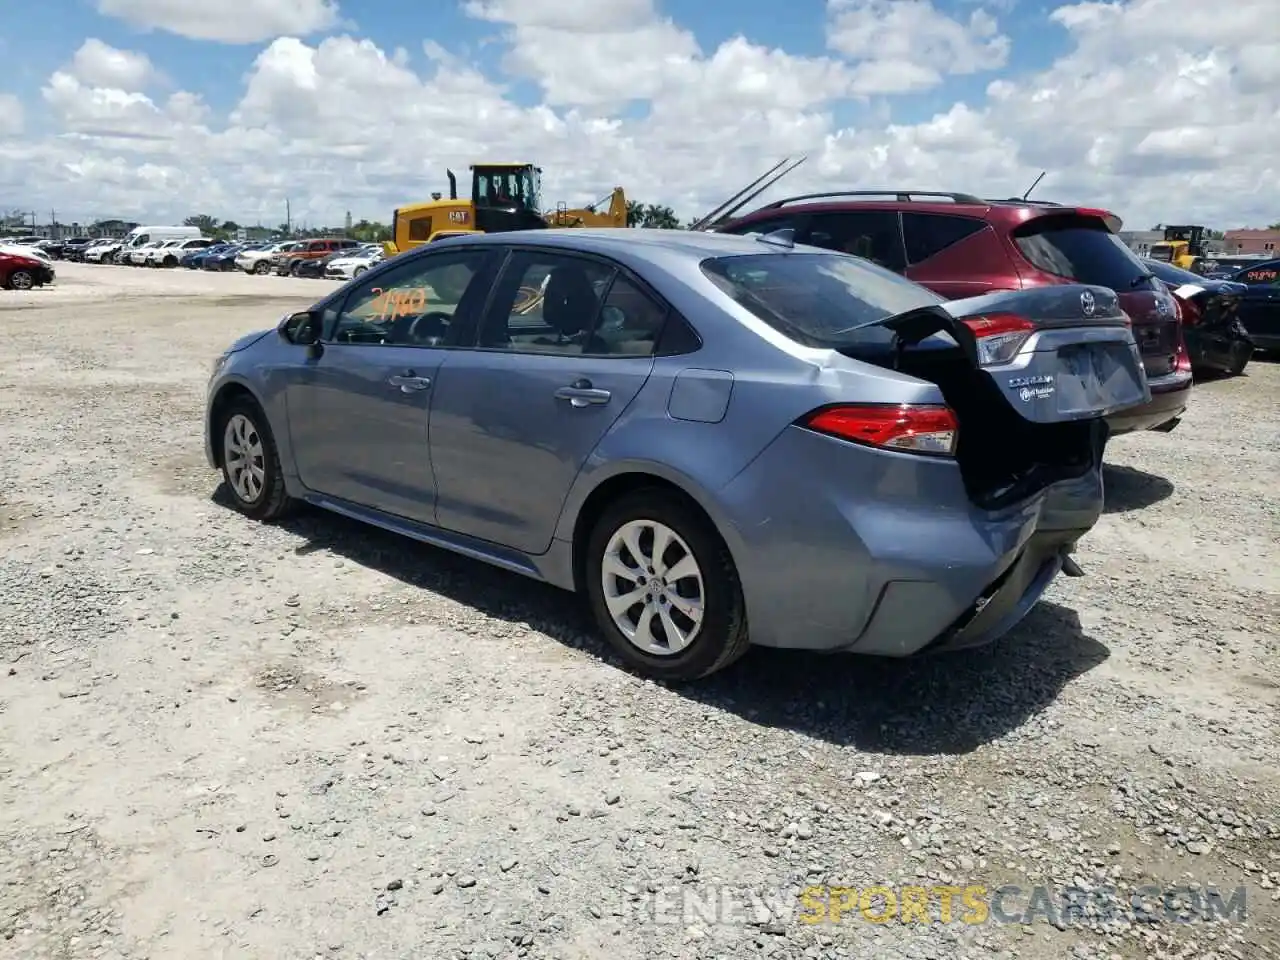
x: 459, y: 216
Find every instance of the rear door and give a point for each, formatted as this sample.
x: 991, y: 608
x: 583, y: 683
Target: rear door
x: 1074, y: 248
x: 564, y: 348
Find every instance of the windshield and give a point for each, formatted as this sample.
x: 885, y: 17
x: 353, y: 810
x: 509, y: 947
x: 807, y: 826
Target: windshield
x: 504, y: 187
x: 1162, y: 252
x: 1082, y: 250
x: 818, y: 299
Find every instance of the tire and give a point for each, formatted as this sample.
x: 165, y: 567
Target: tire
x: 1238, y: 364
x: 244, y: 425
x: 357, y: 271
x: 295, y: 268
x: 170, y: 262
x: 721, y: 636
x: 21, y: 280
x: 262, y: 268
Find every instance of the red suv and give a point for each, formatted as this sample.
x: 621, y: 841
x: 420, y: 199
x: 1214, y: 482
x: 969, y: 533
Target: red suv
x: 961, y: 246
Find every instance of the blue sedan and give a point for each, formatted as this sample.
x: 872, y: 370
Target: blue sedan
x: 718, y: 440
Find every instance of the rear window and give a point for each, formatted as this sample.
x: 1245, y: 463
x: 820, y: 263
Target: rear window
x: 1082, y: 250
x: 816, y: 299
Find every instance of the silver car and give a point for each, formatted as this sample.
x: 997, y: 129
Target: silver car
x: 719, y: 440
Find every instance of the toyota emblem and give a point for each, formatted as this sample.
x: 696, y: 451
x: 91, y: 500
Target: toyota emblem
x: 1087, y: 303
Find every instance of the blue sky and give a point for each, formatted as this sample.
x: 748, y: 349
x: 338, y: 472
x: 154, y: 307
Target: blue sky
x: 216, y: 70
x: 1076, y: 98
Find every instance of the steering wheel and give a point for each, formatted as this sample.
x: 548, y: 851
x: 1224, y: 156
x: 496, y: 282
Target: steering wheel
x: 428, y: 329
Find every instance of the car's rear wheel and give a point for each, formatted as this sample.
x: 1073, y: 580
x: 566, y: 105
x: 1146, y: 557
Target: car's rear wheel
x: 251, y: 463
x: 262, y: 268
x: 663, y: 587
x: 21, y: 280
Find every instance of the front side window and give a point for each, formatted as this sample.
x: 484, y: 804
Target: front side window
x: 767, y: 225
x: 819, y: 300
x: 871, y: 234
x: 416, y: 304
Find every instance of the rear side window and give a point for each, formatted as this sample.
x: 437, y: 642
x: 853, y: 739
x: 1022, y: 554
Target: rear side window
x: 926, y: 234
x: 1082, y: 250
x: 819, y: 300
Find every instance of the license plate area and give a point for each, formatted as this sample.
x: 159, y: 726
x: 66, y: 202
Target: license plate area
x: 1096, y: 377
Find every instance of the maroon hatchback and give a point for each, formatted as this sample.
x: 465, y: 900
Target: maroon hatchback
x: 959, y: 245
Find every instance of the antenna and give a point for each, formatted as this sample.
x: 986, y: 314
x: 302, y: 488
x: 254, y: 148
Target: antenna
x: 719, y: 211
x: 1034, y: 185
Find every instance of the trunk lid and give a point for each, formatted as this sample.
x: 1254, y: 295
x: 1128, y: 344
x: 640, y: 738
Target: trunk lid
x: 1054, y: 354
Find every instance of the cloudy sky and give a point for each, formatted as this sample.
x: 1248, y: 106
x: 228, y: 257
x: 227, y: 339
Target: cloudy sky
x: 1162, y: 110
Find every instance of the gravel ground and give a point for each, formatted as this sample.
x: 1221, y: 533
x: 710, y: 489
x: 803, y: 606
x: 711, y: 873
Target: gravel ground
x: 315, y: 740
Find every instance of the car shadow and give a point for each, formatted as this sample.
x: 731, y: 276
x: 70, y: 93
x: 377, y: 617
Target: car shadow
x: 1128, y: 488
x: 941, y: 704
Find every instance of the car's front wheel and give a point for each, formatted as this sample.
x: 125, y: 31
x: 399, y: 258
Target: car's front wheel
x: 664, y: 589
x: 21, y: 280
x: 251, y: 463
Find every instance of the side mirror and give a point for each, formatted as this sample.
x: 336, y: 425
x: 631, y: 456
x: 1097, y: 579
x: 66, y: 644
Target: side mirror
x: 302, y: 328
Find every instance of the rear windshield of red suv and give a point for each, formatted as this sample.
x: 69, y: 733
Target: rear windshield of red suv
x: 1081, y: 250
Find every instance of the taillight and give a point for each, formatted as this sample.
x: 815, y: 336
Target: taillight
x: 1182, y: 359
x: 1188, y: 312
x: 1000, y: 336
x: 911, y: 428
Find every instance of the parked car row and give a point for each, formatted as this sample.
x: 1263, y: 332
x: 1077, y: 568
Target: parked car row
x: 331, y: 258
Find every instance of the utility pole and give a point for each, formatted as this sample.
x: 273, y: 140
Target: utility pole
x: 288, y: 217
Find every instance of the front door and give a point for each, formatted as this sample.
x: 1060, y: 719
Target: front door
x: 358, y: 410
x: 565, y: 347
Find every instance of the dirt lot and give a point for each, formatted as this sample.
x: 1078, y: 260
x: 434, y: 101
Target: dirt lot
x: 225, y: 740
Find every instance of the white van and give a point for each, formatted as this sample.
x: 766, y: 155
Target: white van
x: 141, y: 236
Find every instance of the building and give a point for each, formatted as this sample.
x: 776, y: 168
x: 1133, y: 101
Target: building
x: 1265, y: 242
x: 1140, y: 241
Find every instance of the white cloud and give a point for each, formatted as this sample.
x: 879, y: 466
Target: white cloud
x: 101, y: 65
x: 240, y: 21
x: 12, y: 116
x: 1161, y: 113
x: 905, y: 46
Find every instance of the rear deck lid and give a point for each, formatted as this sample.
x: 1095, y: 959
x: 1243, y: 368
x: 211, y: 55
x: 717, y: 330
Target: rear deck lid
x: 1056, y: 353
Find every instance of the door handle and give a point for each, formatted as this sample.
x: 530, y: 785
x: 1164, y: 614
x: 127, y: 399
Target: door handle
x: 408, y: 383
x: 581, y: 394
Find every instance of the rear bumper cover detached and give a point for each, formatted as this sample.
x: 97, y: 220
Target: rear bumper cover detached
x: 882, y: 553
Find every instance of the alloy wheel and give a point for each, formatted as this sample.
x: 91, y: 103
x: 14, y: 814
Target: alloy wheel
x: 653, y: 587
x: 244, y: 454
